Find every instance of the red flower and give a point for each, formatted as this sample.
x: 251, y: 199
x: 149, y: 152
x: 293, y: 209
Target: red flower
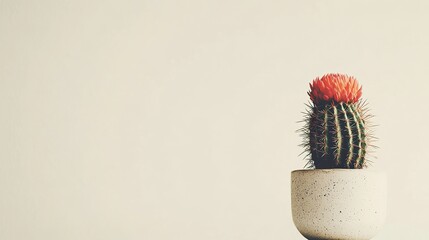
x: 335, y: 87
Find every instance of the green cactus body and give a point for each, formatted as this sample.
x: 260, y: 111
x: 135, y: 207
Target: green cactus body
x: 337, y: 136
x: 336, y: 132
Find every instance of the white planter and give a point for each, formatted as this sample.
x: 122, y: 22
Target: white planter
x: 338, y: 203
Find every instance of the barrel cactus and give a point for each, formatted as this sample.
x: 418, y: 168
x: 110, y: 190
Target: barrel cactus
x: 336, y: 131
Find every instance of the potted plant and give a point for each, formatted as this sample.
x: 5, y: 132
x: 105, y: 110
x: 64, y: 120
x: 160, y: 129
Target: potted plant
x: 337, y: 197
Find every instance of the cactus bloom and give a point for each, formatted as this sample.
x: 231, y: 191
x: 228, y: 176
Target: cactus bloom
x: 335, y: 87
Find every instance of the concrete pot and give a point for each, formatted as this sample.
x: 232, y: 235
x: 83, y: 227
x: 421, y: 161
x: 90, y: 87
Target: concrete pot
x: 338, y: 203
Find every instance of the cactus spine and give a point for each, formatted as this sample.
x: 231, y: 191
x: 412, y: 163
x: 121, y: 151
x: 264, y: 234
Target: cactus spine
x: 335, y: 134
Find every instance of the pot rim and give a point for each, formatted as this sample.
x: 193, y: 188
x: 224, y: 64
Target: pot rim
x: 329, y: 170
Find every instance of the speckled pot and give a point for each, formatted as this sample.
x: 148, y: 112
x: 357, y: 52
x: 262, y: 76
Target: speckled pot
x: 338, y: 203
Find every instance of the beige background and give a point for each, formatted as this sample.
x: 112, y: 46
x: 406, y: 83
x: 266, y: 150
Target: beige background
x: 162, y: 120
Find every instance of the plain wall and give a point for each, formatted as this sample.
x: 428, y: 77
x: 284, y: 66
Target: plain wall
x: 168, y: 120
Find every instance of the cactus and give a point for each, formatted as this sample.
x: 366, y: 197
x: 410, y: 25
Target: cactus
x: 335, y: 133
